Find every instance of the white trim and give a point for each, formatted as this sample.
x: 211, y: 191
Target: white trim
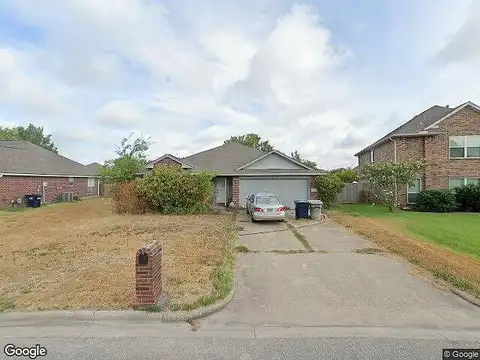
x: 171, y: 157
x: 48, y: 175
x: 461, y: 107
x: 278, y: 153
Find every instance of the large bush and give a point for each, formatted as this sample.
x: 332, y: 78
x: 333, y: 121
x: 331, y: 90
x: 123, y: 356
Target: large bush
x: 172, y: 190
x: 328, y: 187
x: 468, y: 197
x: 436, y: 201
x: 128, y: 199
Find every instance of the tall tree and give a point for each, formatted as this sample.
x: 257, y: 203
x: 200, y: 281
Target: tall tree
x: 311, y: 164
x: 131, y: 159
x: 136, y: 149
x: 251, y: 140
x: 31, y: 133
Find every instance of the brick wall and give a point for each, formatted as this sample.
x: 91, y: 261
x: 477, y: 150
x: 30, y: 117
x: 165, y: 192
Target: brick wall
x: 236, y: 191
x: 12, y: 187
x: 166, y: 161
x: 440, y: 167
x: 148, y: 274
x: 384, y: 152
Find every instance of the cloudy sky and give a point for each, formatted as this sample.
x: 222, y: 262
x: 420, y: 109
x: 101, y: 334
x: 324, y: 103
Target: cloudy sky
x: 323, y: 77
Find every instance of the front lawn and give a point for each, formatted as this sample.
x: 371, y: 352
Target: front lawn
x: 448, y: 245
x: 458, y: 231
x: 82, y: 255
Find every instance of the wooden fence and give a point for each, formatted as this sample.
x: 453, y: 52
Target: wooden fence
x: 359, y: 192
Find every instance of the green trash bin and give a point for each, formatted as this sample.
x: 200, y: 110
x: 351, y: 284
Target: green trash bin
x: 315, y: 209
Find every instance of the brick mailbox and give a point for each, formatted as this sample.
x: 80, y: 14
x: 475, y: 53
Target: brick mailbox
x: 148, y: 274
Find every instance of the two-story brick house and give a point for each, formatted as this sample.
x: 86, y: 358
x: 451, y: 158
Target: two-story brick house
x: 447, y: 138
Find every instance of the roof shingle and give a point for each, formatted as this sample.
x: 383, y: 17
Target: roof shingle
x: 22, y: 157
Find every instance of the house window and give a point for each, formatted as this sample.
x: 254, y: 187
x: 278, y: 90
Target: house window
x: 91, y: 186
x: 462, y: 147
x: 455, y: 183
x: 413, y: 190
x: 71, y: 181
x: 372, y: 156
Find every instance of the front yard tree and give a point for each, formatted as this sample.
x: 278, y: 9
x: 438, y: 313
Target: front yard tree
x: 311, y: 164
x: 251, y: 140
x: 30, y: 133
x: 134, y: 148
x: 348, y: 175
x: 132, y: 158
x: 390, y: 176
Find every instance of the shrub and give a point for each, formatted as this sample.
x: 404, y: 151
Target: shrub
x: 436, y: 201
x: 172, y: 190
x: 128, y: 199
x: 468, y: 197
x: 328, y: 187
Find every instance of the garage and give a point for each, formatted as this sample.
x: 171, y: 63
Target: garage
x: 288, y: 189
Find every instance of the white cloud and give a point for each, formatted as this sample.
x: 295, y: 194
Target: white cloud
x: 121, y: 113
x: 190, y: 76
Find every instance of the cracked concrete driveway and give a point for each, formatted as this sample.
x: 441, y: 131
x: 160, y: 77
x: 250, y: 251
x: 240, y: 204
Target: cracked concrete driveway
x: 337, y: 288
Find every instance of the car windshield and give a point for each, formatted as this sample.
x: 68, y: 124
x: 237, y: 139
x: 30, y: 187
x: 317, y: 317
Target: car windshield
x: 268, y: 200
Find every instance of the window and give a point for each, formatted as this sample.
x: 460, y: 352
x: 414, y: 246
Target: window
x: 413, y: 190
x: 454, y: 183
x: 462, y: 147
x: 91, y: 186
x: 71, y: 181
x: 372, y: 156
x: 268, y: 200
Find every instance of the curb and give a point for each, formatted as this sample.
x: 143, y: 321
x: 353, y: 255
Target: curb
x: 113, y: 315
x: 184, y: 316
x: 467, y: 297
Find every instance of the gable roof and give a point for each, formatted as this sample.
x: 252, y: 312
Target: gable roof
x: 414, y: 127
x: 226, y: 158
x: 174, y: 158
x: 278, y: 153
x: 22, y: 157
x: 456, y: 110
x: 94, y: 167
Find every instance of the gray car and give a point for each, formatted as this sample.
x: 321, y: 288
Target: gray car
x: 265, y: 206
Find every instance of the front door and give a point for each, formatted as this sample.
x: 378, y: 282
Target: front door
x: 220, y: 193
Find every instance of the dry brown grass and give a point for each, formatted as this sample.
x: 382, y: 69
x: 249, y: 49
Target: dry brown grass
x: 82, y: 255
x: 444, y: 263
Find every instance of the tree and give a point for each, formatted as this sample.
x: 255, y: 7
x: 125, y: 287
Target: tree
x: 132, y: 158
x: 31, y: 133
x: 251, y: 140
x: 311, y: 164
x: 328, y: 187
x: 348, y: 175
x: 136, y: 149
x: 389, y: 176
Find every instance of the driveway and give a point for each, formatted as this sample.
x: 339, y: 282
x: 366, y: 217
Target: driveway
x: 337, y: 284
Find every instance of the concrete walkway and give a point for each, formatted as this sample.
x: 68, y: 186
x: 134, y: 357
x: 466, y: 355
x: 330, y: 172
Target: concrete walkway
x: 338, y: 288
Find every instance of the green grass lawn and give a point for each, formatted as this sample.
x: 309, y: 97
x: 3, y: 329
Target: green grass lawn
x: 457, y: 231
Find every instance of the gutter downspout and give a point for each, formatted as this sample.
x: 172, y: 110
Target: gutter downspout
x: 98, y: 187
x: 395, y: 160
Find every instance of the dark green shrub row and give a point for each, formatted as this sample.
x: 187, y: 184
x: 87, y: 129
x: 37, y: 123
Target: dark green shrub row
x: 468, y: 198
x: 436, y: 201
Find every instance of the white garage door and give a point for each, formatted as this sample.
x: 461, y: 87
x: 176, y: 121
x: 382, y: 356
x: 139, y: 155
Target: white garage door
x: 287, y: 189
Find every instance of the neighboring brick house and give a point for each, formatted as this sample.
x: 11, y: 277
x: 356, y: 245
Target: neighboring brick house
x: 27, y: 169
x: 243, y: 170
x: 447, y: 138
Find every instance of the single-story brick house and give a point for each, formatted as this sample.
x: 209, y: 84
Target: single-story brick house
x: 26, y: 169
x: 243, y: 170
x: 447, y: 138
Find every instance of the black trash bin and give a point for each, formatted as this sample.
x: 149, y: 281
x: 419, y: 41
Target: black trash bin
x: 33, y: 200
x: 302, y: 209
